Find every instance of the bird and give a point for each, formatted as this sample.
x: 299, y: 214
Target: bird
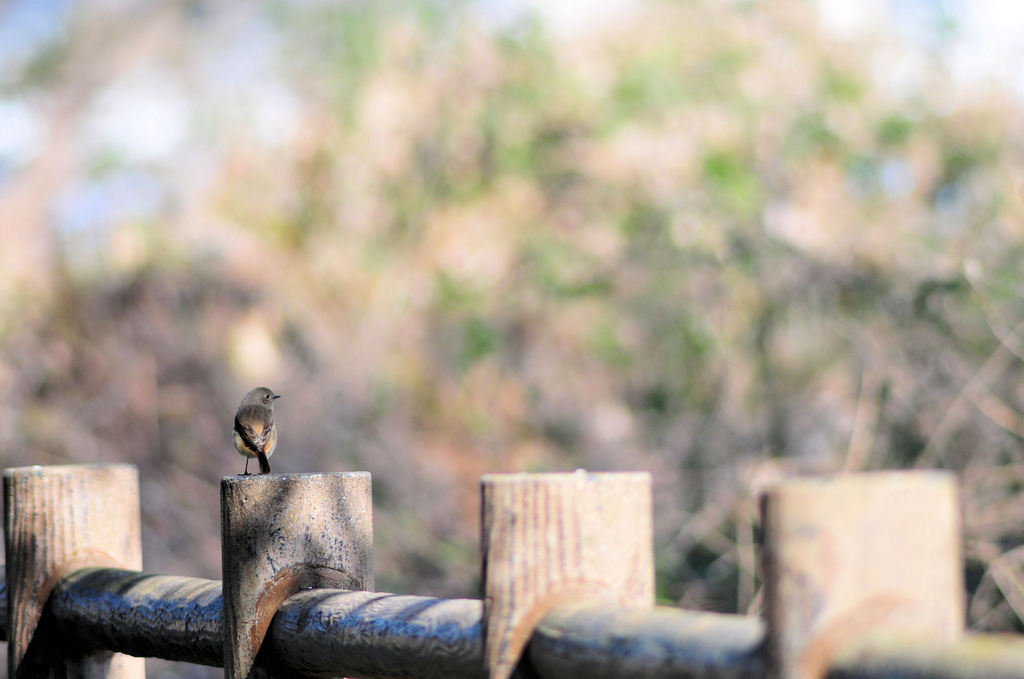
x: 254, y: 433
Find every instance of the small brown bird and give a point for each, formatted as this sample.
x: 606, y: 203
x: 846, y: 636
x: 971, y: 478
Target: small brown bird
x: 254, y: 434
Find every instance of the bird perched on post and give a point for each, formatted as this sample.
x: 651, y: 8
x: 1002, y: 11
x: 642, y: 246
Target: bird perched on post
x: 255, y: 434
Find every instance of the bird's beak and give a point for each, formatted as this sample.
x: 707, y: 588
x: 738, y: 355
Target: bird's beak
x: 277, y: 395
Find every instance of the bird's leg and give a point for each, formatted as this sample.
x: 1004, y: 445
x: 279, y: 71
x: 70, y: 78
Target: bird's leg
x: 246, y: 472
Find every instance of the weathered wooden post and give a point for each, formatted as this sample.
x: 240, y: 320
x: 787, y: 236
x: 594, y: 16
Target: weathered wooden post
x: 282, y: 533
x: 850, y: 555
x: 56, y: 521
x: 551, y: 539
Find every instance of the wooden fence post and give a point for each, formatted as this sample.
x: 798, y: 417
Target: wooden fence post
x: 56, y: 521
x: 549, y: 539
x: 849, y: 555
x: 282, y: 533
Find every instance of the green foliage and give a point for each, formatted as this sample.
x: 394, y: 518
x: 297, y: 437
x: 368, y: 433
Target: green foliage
x: 894, y: 130
x: 649, y: 85
x: 842, y: 86
x: 734, y: 182
x: 339, y: 40
x: 811, y: 134
x: 560, y: 270
x: 607, y: 346
x: 480, y: 339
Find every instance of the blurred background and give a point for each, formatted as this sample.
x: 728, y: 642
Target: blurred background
x: 722, y: 241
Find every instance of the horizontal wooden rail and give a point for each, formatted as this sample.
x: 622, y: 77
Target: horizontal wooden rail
x: 324, y: 633
x: 601, y: 642
x: 149, y: 616
x: 910, y: 656
x: 863, y: 578
x: 327, y: 632
x: 376, y: 635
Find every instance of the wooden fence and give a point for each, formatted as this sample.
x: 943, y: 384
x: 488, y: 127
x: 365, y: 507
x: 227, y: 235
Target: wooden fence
x: 862, y: 578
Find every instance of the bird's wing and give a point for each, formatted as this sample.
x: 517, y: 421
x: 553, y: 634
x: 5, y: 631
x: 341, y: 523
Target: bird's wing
x: 255, y: 432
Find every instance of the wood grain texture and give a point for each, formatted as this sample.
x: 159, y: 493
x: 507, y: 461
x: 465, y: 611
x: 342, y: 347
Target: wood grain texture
x: 853, y: 554
x: 596, y: 641
x: 375, y: 635
x: 889, y: 655
x: 549, y: 539
x: 145, y: 615
x: 282, y: 533
x: 58, y: 520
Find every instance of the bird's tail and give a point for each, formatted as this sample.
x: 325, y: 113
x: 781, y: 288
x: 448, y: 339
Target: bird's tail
x: 264, y: 462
